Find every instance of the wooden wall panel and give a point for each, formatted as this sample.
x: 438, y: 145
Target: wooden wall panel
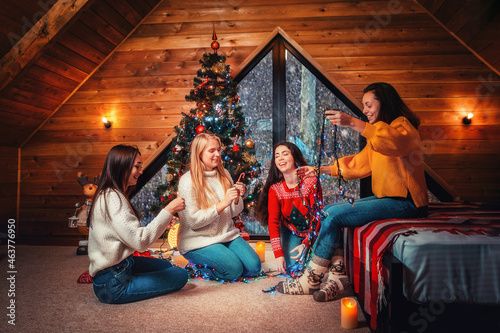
x: 141, y: 87
x: 8, y: 185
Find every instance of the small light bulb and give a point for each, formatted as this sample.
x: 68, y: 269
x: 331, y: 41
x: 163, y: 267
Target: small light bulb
x: 106, y: 122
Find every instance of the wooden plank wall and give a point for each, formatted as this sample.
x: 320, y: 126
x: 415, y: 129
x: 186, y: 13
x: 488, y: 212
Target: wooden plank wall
x: 141, y: 89
x: 8, y: 185
x: 51, y: 159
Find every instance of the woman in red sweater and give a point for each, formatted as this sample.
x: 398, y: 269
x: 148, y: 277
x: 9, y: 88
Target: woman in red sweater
x: 393, y: 158
x: 284, y: 205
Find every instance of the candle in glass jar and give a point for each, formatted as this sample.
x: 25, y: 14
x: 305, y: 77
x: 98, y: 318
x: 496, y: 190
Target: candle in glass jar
x: 348, y: 313
x: 260, y: 248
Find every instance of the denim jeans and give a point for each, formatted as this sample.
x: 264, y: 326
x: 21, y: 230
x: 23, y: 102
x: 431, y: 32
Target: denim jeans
x: 226, y: 261
x: 138, y: 278
x: 343, y: 214
x: 288, y: 242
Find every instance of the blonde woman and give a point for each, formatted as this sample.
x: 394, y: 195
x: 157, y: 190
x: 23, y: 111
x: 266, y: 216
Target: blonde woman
x: 207, y: 237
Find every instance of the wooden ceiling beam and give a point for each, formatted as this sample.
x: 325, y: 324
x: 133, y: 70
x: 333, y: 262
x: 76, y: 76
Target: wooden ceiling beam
x: 40, y: 34
x: 455, y: 35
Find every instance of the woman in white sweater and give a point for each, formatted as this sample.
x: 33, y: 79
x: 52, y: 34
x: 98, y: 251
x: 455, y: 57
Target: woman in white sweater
x: 115, y: 233
x: 207, y: 237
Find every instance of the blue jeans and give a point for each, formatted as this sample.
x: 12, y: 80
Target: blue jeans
x: 137, y: 278
x: 226, y: 261
x: 288, y: 242
x: 364, y: 211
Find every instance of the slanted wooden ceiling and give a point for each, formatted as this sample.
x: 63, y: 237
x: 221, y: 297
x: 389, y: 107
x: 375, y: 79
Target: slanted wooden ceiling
x: 476, y: 23
x: 107, y: 62
x: 48, y: 49
x: 68, y: 56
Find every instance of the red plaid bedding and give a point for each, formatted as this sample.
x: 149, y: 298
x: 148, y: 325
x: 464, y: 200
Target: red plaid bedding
x: 372, y: 240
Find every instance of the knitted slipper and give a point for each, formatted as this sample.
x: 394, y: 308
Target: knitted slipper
x: 332, y: 289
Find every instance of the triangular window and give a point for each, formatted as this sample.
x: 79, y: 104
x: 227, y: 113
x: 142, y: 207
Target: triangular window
x: 283, y: 97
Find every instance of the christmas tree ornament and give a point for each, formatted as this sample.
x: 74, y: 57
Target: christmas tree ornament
x: 177, y: 149
x: 200, y: 129
x: 215, y: 44
x: 242, y: 175
x: 216, y: 109
x: 220, y: 68
x: 249, y: 143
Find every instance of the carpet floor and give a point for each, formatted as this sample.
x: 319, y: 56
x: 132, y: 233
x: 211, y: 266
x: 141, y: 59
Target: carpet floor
x: 49, y: 299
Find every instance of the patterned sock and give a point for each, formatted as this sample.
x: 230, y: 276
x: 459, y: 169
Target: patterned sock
x: 309, y: 282
x: 337, y: 268
x: 336, y: 284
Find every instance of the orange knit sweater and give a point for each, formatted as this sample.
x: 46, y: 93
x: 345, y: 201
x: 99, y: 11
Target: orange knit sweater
x: 393, y: 158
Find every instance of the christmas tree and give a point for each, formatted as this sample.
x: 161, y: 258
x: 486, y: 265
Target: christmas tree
x: 217, y: 110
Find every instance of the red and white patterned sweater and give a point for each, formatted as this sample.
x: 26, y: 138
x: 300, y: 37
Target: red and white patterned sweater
x: 281, y: 202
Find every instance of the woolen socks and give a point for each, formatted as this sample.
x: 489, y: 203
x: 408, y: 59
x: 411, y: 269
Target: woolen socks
x: 337, y: 282
x: 309, y: 282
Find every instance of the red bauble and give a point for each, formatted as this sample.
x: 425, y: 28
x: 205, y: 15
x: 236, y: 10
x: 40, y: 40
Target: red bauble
x: 236, y: 148
x: 200, y: 129
x: 215, y: 45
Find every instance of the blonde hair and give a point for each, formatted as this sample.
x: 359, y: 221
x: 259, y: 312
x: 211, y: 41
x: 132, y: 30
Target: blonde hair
x: 204, y: 195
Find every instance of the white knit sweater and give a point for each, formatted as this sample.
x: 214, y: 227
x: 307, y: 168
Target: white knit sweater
x: 202, y: 227
x: 113, y: 238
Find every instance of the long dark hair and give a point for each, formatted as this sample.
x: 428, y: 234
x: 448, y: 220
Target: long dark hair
x: 274, y: 176
x: 391, y: 104
x: 115, y: 174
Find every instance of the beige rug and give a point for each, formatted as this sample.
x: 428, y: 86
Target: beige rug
x: 48, y: 299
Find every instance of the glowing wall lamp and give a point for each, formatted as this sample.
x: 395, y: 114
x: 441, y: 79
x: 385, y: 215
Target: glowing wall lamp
x: 106, y: 122
x: 467, y: 119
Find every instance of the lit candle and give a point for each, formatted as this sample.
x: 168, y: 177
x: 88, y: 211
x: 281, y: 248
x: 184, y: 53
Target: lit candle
x: 260, y: 248
x: 348, y: 313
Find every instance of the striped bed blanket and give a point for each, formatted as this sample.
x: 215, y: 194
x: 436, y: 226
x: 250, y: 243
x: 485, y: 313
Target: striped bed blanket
x: 370, y: 242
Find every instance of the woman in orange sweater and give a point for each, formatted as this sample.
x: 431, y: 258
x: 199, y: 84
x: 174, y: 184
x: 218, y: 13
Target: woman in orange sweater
x: 393, y: 158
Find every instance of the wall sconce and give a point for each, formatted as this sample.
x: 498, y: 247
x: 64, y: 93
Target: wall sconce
x: 467, y: 119
x: 106, y: 122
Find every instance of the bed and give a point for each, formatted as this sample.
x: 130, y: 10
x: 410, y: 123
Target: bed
x: 422, y: 275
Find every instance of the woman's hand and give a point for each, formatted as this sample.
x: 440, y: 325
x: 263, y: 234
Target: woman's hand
x: 343, y: 119
x: 229, y: 197
x: 176, y: 205
x: 240, y: 187
x: 173, y: 222
x: 299, y: 249
x: 309, y: 171
x: 306, y: 171
x: 281, y: 265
